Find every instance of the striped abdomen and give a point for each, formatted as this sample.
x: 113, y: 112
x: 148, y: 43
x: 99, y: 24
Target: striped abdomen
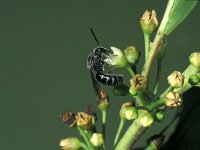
x: 111, y: 80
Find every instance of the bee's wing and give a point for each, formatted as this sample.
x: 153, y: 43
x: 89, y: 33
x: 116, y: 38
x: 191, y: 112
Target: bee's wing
x: 95, y: 83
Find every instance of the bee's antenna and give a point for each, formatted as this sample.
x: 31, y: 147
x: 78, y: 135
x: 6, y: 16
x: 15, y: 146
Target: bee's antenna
x: 94, y: 36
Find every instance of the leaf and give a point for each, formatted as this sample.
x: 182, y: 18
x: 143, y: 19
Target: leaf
x: 180, y: 10
x: 187, y: 133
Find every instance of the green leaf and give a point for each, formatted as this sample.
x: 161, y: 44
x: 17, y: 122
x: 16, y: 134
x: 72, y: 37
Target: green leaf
x: 187, y: 133
x: 180, y: 10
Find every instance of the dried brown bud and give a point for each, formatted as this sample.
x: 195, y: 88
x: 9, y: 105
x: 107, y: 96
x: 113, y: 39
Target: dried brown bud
x: 84, y: 121
x: 156, y: 140
x: 138, y: 82
x: 68, y: 118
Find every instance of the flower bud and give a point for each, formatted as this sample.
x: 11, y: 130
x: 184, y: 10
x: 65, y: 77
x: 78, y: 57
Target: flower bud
x: 84, y: 121
x: 124, y: 107
x: 176, y: 79
x: 194, y: 79
x: 69, y: 118
x: 138, y: 82
x: 146, y: 118
x: 160, y: 116
x: 102, y: 100
x: 117, y: 59
x: 91, y: 111
x: 130, y: 113
x: 149, y: 22
x: 173, y: 99
x: 195, y: 59
x: 121, y: 90
x: 132, y: 55
x: 133, y: 92
x: 70, y: 143
x: 155, y: 142
x: 97, y: 139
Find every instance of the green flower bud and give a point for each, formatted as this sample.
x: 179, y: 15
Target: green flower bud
x: 149, y: 22
x: 176, y: 79
x: 117, y: 59
x: 130, y: 113
x: 195, y: 59
x: 146, y: 118
x: 103, y: 100
x: 138, y: 82
x: 123, y: 109
x: 132, y: 55
x: 194, y: 79
x: 133, y: 92
x: 97, y: 139
x: 84, y: 121
x: 121, y: 90
x: 70, y: 143
x: 69, y: 118
x: 160, y: 116
x: 173, y: 99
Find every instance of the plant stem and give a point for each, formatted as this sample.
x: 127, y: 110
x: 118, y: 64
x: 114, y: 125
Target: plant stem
x: 157, y: 41
x: 157, y: 76
x: 85, y: 137
x: 104, y: 114
x: 84, y: 146
x: 121, y: 125
x: 131, y: 135
x: 156, y: 104
x: 130, y: 70
x: 147, y: 45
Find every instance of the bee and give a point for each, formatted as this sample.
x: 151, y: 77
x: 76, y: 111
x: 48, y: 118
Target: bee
x: 96, y: 65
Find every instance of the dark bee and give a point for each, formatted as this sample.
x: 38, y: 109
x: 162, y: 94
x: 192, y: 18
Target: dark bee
x: 95, y: 63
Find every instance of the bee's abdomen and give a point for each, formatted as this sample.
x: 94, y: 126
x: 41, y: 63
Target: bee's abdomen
x: 111, y: 80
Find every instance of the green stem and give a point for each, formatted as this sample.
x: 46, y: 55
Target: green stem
x: 157, y: 76
x: 157, y: 41
x: 156, y: 104
x: 130, y: 70
x: 85, y: 137
x: 104, y: 114
x: 121, y: 125
x: 147, y: 45
x: 84, y: 146
x: 131, y: 136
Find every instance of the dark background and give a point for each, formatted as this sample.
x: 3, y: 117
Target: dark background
x: 43, y: 50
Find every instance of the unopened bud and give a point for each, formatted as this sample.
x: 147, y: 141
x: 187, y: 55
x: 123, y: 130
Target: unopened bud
x: 160, y: 116
x: 176, y: 79
x: 97, y: 139
x: 133, y: 92
x: 149, y: 22
x: 70, y: 143
x: 132, y: 55
x: 124, y: 107
x: 102, y: 100
x: 117, y: 59
x: 138, y: 82
x: 69, y: 118
x: 173, y: 99
x: 195, y: 59
x: 194, y: 79
x: 146, y: 118
x: 84, y: 121
x: 121, y: 90
x: 155, y: 142
x: 130, y: 113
